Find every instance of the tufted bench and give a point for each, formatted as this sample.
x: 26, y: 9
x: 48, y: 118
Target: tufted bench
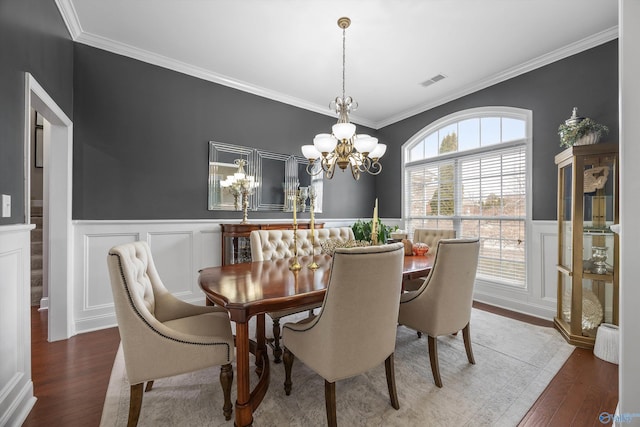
x: 277, y: 244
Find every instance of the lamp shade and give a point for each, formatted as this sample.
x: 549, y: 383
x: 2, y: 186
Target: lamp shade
x: 343, y: 130
x: 310, y: 152
x: 365, y: 143
x: 325, y: 143
x: 378, y: 151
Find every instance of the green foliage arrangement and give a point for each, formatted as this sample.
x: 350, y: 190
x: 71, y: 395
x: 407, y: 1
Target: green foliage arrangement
x: 362, y: 230
x: 569, y: 134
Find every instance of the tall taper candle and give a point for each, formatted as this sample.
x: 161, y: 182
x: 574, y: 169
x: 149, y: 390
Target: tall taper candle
x: 374, y: 228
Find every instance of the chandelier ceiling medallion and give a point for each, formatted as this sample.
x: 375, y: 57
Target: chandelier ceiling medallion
x: 342, y: 146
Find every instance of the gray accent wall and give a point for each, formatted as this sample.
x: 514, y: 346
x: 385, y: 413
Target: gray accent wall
x: 34, y: 39
x: 588, y: 80
x: 141, y: 141
x: 141, y: 131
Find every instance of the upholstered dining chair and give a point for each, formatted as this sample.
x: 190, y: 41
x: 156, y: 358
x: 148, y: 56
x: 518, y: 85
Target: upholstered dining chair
x: 278, y: 244
x: 161, y: 335
x: 355, y: 329
x: 442, y: 305
x: 430, y: 237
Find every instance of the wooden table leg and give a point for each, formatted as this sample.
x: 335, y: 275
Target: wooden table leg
x: 261, y: 343
x: 244, y: 413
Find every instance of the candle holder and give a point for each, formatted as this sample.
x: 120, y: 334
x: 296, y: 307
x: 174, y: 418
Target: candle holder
x: 241, y: 186
x: 295, y: 265
x: 312, y: 199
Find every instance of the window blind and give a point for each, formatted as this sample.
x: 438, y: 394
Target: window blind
x: 479, y: 195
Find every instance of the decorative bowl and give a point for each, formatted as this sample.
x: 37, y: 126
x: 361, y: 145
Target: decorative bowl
x: 420, y: 249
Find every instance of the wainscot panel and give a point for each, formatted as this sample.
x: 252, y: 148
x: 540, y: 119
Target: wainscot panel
x: 16, y: 385
x: 539, y: 297
x: 180, y: 249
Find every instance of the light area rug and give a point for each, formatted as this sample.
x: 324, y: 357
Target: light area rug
x: 515, y: 361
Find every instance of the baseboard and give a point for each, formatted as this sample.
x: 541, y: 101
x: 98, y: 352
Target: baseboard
x: 523, y: 307
x: 44, y: 304
x: 18, y: 411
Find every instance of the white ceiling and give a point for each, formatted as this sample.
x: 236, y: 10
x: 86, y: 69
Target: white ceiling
x: 291, y: 50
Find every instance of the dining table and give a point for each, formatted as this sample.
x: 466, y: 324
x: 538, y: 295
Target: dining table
x: 248, y: 290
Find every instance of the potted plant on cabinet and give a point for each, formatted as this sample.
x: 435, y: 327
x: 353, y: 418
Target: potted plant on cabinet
x: 580, y: 131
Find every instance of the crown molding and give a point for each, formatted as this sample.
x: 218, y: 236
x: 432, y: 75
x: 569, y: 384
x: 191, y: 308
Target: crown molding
x: 70, y: 18
x: 546, y: 59
x: 201, y: 73
x: 72, y: 22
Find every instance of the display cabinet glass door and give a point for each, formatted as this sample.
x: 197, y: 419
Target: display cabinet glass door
x: 587, y: 248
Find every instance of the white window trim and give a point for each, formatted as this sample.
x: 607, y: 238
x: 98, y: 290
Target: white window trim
x: 492, y: 111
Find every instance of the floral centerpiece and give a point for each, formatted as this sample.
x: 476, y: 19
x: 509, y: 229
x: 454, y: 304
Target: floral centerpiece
x: 362, y: 230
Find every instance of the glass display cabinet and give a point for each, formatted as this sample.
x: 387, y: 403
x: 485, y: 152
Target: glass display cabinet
x: 587, y: 248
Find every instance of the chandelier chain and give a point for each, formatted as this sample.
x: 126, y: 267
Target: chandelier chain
x: 344, y: 60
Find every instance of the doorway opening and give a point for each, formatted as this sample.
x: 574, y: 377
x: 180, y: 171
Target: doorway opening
x: 57, y: 162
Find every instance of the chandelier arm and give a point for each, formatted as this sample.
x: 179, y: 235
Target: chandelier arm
x: 355, y: 172
x: 376, y: 168
x: 331, y: 169
x: 310, y: 167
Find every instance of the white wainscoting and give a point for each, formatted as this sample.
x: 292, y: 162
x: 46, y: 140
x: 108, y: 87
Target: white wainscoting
x: 16, y: 385
x: 539, y: 297
x: 180, y: 248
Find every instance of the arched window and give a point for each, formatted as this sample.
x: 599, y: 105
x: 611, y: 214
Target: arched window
x: 469, y: 172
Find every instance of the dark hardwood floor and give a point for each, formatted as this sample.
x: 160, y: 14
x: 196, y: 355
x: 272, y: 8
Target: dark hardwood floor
x: 71, y: 377
x: 584, y: 387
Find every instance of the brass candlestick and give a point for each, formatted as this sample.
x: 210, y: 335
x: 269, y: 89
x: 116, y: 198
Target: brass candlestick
x: 312, y: 197
x: 295, y: 265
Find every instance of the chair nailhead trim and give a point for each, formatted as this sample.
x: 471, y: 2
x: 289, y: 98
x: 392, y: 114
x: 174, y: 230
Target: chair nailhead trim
x: 135, y: 309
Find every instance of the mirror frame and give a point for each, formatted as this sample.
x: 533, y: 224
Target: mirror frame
x: 292, y: 166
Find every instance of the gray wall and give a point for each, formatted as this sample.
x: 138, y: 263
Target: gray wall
x: 588, y: 80
x: 33, y: 38
x: 141, y: 141
x: 141, y: 132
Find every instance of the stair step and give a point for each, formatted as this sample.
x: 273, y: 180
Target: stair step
x: 36, y: 234
x: 36, y: 262
x: 36, y: 278
x: 37, y: 221
x: 36, y: 248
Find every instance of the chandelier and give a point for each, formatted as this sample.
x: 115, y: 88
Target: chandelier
x: 342, y: 147
x: 240, y: 185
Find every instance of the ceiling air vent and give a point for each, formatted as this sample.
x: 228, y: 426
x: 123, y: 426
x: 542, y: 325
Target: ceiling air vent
x: 433, y: 80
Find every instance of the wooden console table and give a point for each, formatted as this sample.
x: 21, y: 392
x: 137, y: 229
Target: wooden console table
x: 236, y: 247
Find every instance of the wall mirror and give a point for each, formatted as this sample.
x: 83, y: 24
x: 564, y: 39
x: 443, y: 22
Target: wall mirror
x: 278, y: 177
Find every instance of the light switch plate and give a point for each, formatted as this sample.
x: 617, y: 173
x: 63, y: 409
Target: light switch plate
x: 6, y: 206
